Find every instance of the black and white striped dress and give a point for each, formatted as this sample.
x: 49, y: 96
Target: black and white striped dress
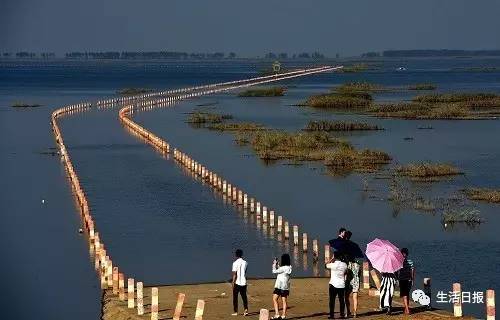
x: 387, y: 290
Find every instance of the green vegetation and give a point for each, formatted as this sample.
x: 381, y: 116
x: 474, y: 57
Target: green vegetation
x: 338, y: 155
x: 422, y: 86
x: 350, y: 95
x: 25, y: 105
x: 465, y: 215
x: 346, y: 157
x: 311, y: 145
x: 427, y: 170
x: 241, y: 138
x: 355, y: 68
x: 356, y: 97
x: 199, y: 117
x: 215, y: 121
x: 483, y: 194
x: 442, y: 106
x: 273, y: 145
x: 339, y: 126
x: 335, y: 101
x: 239, y: 126
x: 263, y: 92
x: 358, y: 87
x: 458, y: 97
x: 133, y: 91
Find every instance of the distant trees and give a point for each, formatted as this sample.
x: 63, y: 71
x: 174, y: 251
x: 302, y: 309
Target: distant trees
x: 24, y: 55
x: 270, y: 55
x: 149, y: 55
x: 371, y: 54
x: 304, y: 55
x: 283, y: 55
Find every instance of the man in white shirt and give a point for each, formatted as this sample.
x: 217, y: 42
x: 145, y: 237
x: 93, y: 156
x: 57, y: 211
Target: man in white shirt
x: 239, y: 282
x: 338, y: 272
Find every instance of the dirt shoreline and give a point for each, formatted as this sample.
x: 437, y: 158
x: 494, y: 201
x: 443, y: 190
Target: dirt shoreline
x: 308, y: 300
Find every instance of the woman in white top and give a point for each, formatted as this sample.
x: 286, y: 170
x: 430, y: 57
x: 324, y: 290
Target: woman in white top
x: 338, y: 272
x: 282, y: 284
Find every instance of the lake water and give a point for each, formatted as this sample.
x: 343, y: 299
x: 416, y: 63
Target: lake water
x: 160, y: 225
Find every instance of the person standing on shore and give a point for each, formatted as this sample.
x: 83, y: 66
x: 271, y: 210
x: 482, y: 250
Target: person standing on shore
x: 352, y: 282
x: 282, y: 284
x: 338, y: 272
x: 406, y: 279
x: 339, y: 241
x: 239, y: 282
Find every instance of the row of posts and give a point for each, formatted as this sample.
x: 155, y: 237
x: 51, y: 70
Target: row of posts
x: 109, y: 274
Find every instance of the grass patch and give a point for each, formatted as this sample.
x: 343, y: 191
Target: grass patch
x: 339, y: 126
x: 274, y: 145
x: 358, y: 87
x: 25, y: 105
x: 133, y: 91
x: 339, y: 101
x: 263, y: 92
x: 442, y: 106
x: 483, y: 194
x: 240, y: 126
x: 355, y: 68
x: 422, y: 86
x: 427, y: 170
x: 346, y: 157
x: 465, y: 215
x: 201, y: 118
x: 455, y: 97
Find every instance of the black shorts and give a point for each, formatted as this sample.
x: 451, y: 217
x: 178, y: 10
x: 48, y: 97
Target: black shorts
x: 281, y: 293
x: 404, y: 288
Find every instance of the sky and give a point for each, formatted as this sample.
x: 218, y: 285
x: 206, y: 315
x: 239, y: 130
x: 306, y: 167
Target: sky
x: 248, y: 27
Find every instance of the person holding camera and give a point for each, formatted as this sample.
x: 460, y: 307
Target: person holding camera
x: 282, y: 284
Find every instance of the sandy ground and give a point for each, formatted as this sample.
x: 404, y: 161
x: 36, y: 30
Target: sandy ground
x: 308, y: 300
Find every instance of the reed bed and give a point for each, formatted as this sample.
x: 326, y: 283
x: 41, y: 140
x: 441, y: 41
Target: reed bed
x: 483, y: 194
x: 275, y: 144
x: 427, y: 170
x: 239, y: 126
x: 464, y: 215
x: 25, y: 105
x: 329, y: 126
x: 422, y: 86
x: 361, y: 160
x: 263, y: 92
x: 358, y: 86
x: 355, y: 68
x: 455, y: 97
x: 450, y: 107
x: 339, y: 101
x: 201, y: 118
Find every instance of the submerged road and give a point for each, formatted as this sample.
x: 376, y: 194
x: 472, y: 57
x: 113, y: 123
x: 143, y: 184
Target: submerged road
x: 108, y: 272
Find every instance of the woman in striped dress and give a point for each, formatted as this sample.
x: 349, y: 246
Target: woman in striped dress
x: 387, y: 291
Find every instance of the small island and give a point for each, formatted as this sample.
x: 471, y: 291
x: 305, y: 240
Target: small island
x: 25, y: 105
x: 427, y: 170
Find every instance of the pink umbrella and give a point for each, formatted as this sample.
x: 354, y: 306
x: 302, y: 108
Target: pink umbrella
x: 384, y: 256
